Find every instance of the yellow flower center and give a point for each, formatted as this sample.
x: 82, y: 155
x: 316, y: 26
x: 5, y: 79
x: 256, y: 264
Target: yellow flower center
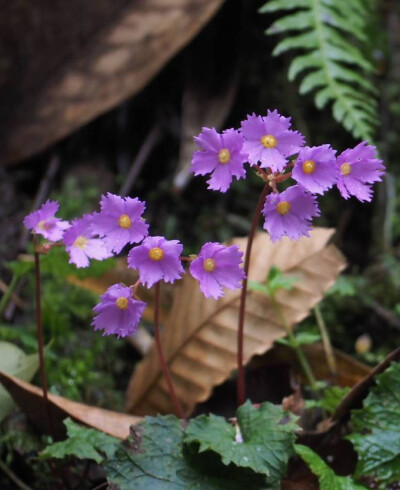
x: 209, y: 265
x: 224, y: 155
x: 124, y: 221
x: 122, y: 303
x: 283, y: 207
x: 81, y: 242
x: 156, y: 253
x: 269, y: 141
x: 345, y: 168
x: 42, y: 225
x: 309, y: 166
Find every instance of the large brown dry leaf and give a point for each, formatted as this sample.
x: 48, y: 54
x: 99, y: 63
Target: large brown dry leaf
x: 30, y: 400
x: 62, y: 63
x: 199, y: 338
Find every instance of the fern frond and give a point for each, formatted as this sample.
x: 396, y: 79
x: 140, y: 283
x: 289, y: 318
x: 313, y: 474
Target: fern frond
x: 331, y: 35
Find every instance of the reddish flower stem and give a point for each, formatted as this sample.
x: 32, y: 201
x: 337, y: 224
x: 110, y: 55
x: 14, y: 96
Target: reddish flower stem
x: 39, y: 331
x: 175, y: 401
x: 241, y: 385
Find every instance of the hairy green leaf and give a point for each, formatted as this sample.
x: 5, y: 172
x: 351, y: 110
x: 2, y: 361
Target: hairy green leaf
x: 328, y: 479
x: 82, y: 443
x: 155, y: 458
x: 376, y: 436
x: 333, y: 40
x: 264, y: 441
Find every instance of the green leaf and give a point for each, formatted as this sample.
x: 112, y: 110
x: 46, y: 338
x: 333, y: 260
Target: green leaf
x: 275, y: 281
x: 328, y: 479
x: 14, y: 361
x: 330, y: 399
x: 376, y: 436
x: 344, y: 286
x: 155, y: 458
x: 264, y: 443
x: 83, y: 443
x: 336, y: 58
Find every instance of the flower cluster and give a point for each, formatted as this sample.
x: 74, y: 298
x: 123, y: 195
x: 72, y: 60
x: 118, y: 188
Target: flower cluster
x: 273, y: 149
x: 119, y: 223
x: 278, y: 153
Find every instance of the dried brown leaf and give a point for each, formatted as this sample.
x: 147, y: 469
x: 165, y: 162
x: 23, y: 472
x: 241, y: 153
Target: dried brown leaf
x: 64, y: 63
x: 199, y: 338
x: 30, y: 400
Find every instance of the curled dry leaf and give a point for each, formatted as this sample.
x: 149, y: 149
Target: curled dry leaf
x: 199, y: 337
x: 30, y: 400
x: 71, y: 61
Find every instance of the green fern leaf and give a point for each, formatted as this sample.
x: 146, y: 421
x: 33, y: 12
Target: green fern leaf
x: 332, y: 37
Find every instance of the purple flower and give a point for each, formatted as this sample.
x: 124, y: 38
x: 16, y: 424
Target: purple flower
x: 357, y: 168
x: 120, y: 221
x: 81, y: 245
x: 216, y: 267
x: 157, y: 259
x: 289, y: 213
x: 221, y: 156
x: 269, y: 141
x: 315, y: 168
x: 44, y: 223
x: 118, y: 313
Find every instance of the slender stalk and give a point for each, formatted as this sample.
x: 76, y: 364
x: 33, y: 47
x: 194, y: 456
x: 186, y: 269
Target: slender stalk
x: 297, y: 348
x: 8, y: 294
x: 326, y: 341
x: 39, y: 330
x: 175, y: 401
x: 241, y: 384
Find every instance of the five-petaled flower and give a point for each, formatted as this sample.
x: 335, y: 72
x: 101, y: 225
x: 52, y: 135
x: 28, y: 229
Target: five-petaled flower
x: 269, y: 141
x: 157, y: 259
x: 358, y: 167
x: 315, y: 168
x: 221, y: 155
x: 289, y: 213
x: 120, y: 221
x: 44, y: 222
x: 118, y: 312
x: 216, y: 267
x: 81, y: 245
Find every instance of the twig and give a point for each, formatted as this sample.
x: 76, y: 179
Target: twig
x: 8, y: 293
x: 13, y: 477
x: 152, y: 138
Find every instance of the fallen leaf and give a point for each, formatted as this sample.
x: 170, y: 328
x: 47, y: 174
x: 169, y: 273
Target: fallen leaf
x: 30, y: 400
x: 199, y: 337
x: 65, y: 63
